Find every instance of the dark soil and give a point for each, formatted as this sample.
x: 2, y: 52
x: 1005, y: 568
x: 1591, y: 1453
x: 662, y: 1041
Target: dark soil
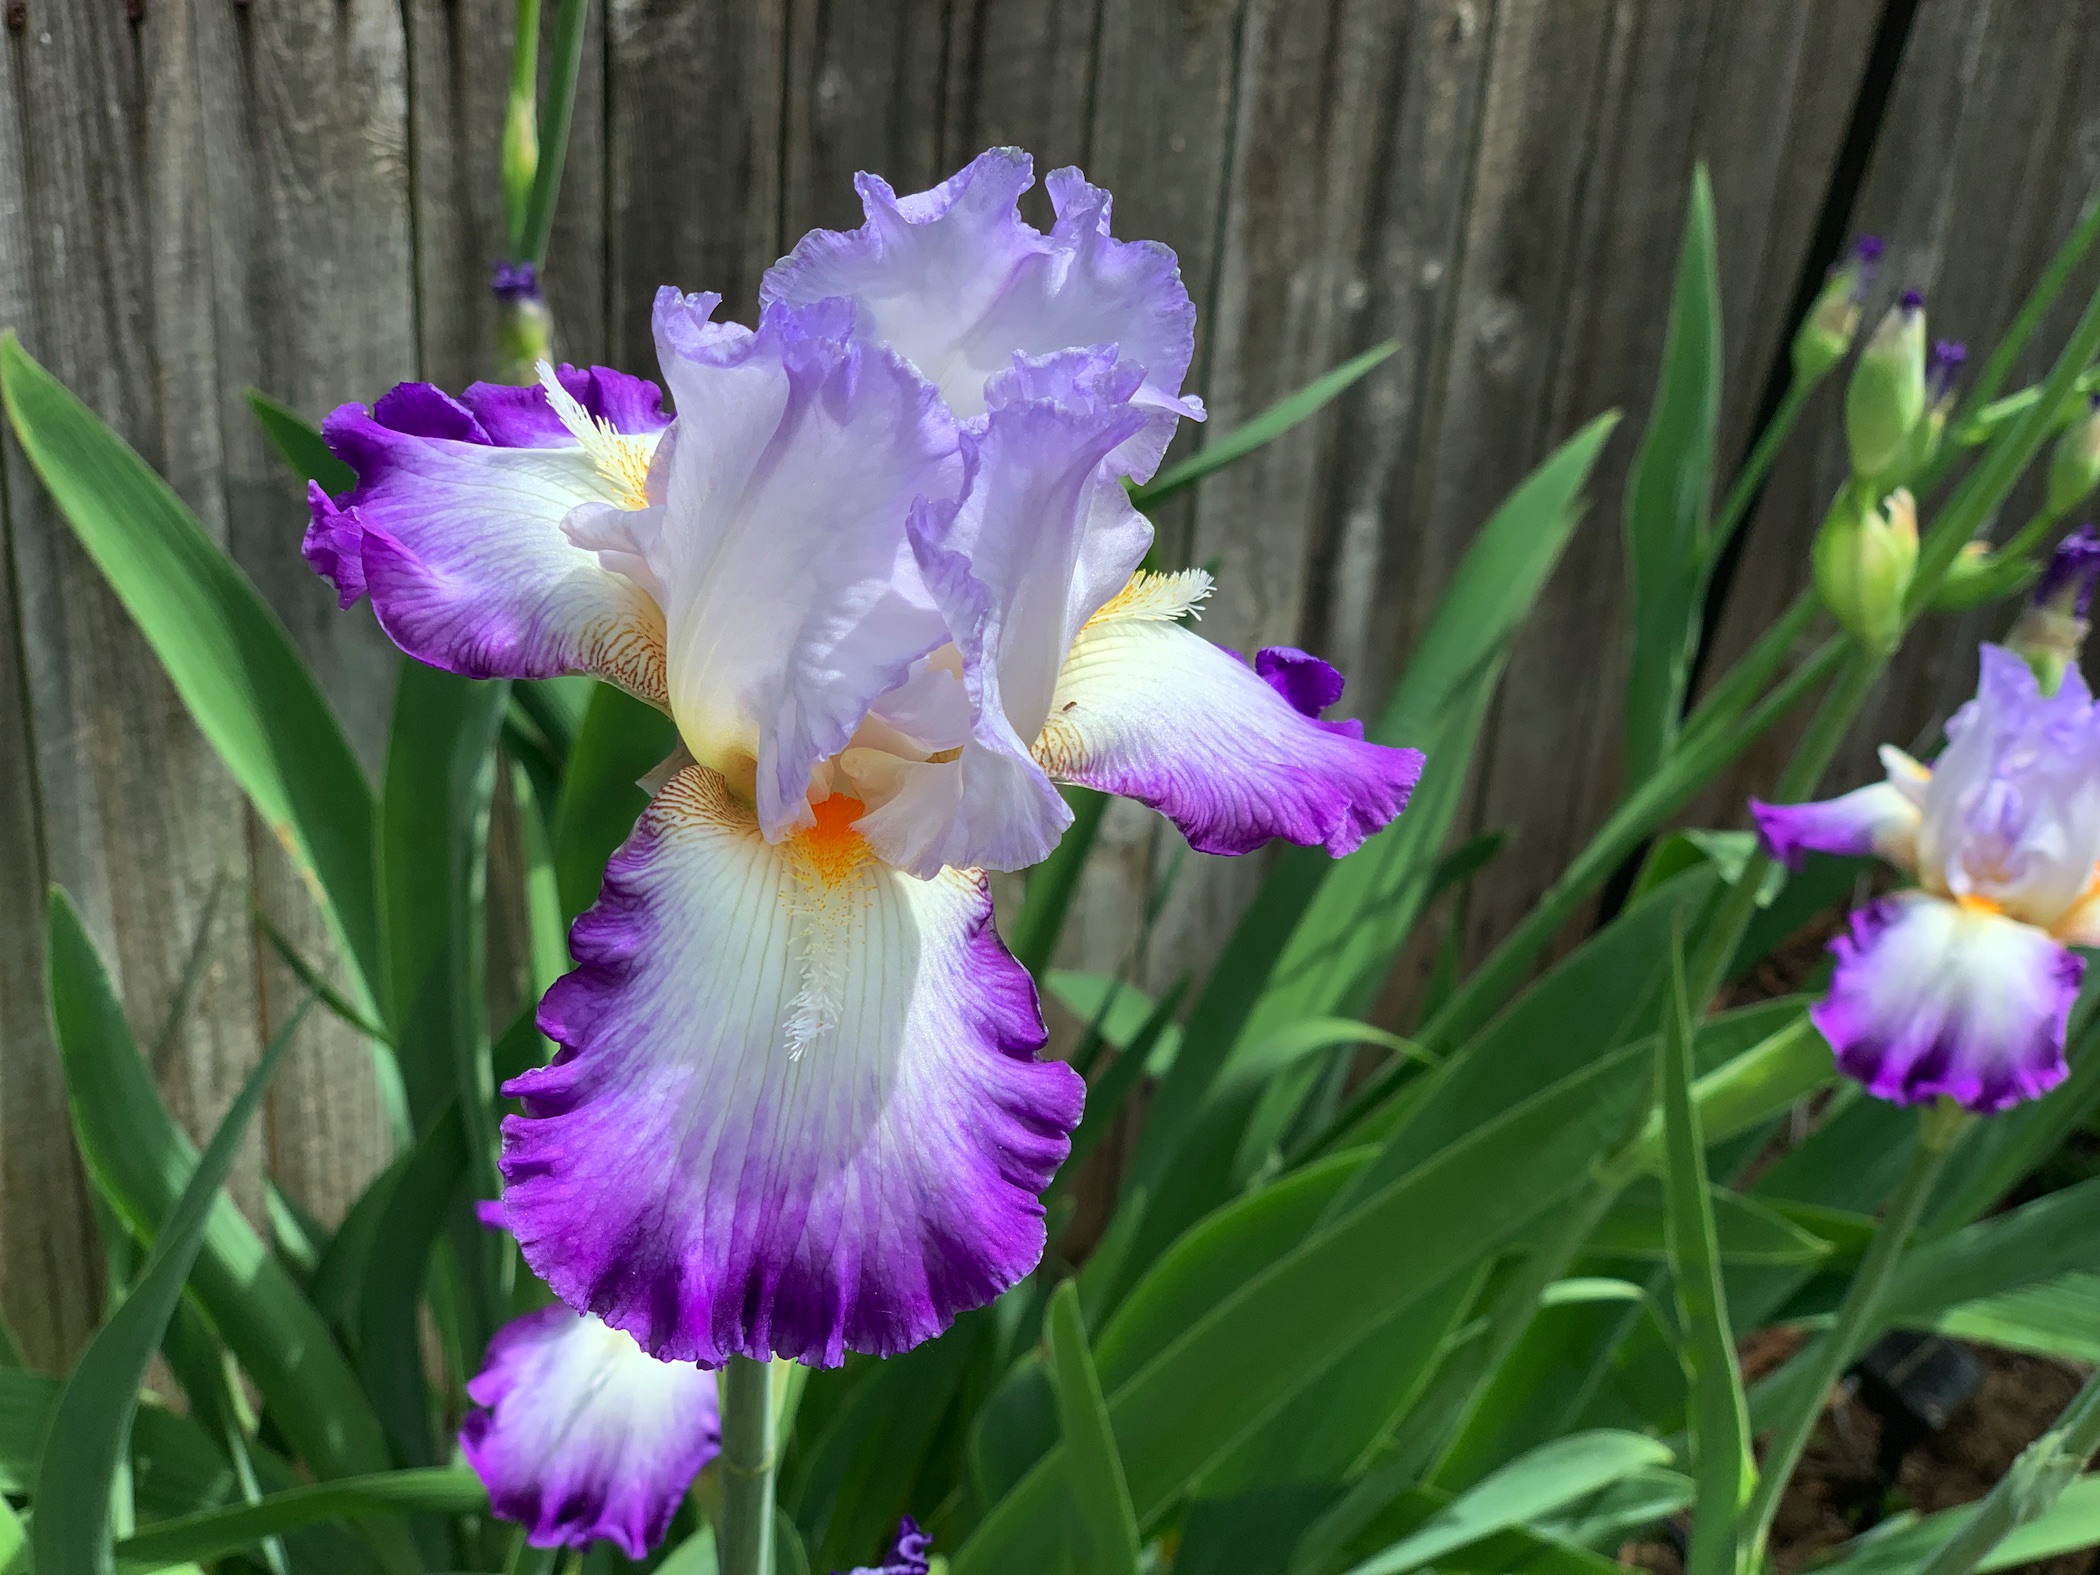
x: 1840, y: 1491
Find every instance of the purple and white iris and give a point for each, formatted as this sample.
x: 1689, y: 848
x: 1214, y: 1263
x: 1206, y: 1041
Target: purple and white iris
x: 883, y: 571
x: 582, y: 1436
x: 1961, y: 987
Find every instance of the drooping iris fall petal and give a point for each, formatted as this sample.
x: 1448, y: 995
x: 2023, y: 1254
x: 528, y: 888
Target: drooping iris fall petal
x: 797, y: 1109
x: 1932, y: 1000
x: 579, y: 1435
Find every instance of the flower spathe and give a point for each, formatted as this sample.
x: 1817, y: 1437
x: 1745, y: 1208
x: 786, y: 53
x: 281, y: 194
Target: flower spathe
x: 579, y: 1435
x: 1961, y: 988
x: 884, y: 573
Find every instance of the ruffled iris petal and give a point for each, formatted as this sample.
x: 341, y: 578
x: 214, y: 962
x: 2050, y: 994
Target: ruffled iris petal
x: 790, y: 596
x: 582, y: 1436
x: 1041, y: 537
x: 454, y: 530
x: 797, y: 1110
x: 1933, y: 999
x: 2013, y: 813
x: 958, y: 283
x: 1150, y: 710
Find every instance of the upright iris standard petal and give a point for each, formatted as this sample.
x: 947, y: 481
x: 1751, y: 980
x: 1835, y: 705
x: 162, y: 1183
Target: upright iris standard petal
x: 582, y: 1436
x: 1151, y: 710
x: 797, y: 1109
x: 2013, y: 817
x: 1880, y: 819
x: 790, y: 596
x: 1935, y: 999
x: 1041, y: 537
x: 454, y: 526
x: 956, y: 281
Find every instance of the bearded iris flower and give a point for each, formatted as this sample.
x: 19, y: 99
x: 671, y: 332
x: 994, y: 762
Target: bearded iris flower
x: 1961, y: 987
x: 884, y: 573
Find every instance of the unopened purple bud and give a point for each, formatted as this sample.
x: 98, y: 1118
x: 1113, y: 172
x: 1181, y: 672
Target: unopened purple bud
x: 1859, y: 266
x: 1940, y: 370
x: 515, y: 282
x: 2067, y: 583
x: 1912, y: 301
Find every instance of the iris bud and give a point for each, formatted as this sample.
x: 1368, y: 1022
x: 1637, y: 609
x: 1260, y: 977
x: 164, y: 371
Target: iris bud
x: 2051, y: 630
x: 1979, y: 575
x: 1864, y: 559
x: 524, y: 326
x: 1826, y: 333
x: 2074, y: 464
x: 1886, y: 398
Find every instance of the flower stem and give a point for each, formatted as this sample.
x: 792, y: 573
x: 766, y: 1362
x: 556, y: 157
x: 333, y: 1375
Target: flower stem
x: 1763, y: 452
x: 1938, y: 1128
x: 750, y: 1455
x: 2037, y: 1479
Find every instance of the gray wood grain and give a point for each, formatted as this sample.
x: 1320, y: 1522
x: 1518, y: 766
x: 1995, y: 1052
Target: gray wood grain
x: 137, y: 820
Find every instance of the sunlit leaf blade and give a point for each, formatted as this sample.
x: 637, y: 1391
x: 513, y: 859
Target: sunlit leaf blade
x: 1091, y: 1464
x: 621, y: 741
x: 1668, y: 497
x: 1320, y: 935
x: 1536, y: 1484
x: 1243, y: 1356
x: 90, y: 1431
x: 1726, y: 1472
x: 141, y: 1162
x: 222, y: 647
x: 300, y: 445
x: 441, y: 1490
x: 1265, y: 428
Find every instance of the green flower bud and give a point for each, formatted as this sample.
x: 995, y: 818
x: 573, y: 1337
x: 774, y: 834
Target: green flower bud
x: 524, y: 326
x: 1864, y: 559
x: 2074, y: 464
x: 1979, y: 575
x: 1887, y: 398
x: 1826, y: 333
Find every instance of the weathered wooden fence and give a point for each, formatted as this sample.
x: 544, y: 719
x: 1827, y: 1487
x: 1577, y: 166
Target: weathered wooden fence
x: 201, y: 195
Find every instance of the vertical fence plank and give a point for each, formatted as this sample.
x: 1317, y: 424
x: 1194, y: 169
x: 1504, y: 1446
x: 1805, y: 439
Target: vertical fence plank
x: 138, y: 821
x: 864, y: 92
x: 694, y: 135
x: 308, y: 178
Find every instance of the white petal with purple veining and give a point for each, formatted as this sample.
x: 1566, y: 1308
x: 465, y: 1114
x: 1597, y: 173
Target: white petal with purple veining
x: 454, y: 526
x: 1151, y: 710
x: 798, y: 1110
